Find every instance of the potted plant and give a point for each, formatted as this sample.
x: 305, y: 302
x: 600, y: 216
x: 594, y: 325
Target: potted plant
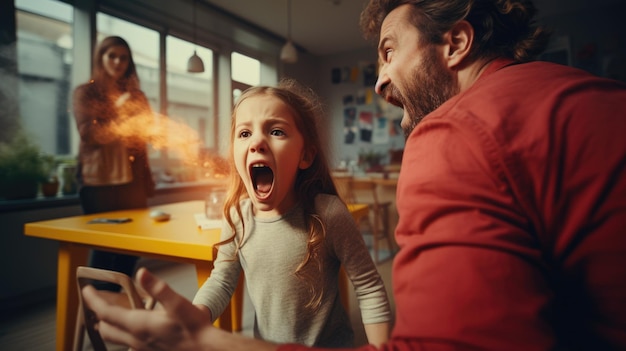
x: 66, y: 169
x: 22, y: 168
x: 50, y: 186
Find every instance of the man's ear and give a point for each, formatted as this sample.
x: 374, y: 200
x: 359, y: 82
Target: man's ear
x: 307, y: 157
x: 458, y: 43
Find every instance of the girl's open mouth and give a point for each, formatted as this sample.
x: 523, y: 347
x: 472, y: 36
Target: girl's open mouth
x: 262, y: 179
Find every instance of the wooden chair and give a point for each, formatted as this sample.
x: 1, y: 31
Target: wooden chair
x: 131, y: 296
x: 342, y: 183
x: 362, y: 190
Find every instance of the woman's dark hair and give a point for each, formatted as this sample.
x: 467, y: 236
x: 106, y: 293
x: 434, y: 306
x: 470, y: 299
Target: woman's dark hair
x: 503, y: 28
x: 130, y: 80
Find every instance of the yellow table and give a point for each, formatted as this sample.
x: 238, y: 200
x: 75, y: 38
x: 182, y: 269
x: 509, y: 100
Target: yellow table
x: 178, y: 239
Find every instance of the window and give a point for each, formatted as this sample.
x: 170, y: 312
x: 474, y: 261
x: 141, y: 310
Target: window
x: 44, y: 43
x: 245, y: 69
x: 245, y: 73
x: 189, y: 108
x: 48, y: 72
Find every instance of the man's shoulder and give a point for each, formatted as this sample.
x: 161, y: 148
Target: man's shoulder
x: 545, y: 75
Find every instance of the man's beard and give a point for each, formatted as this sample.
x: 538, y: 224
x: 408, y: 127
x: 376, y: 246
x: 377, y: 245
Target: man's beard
x: 430, y: 85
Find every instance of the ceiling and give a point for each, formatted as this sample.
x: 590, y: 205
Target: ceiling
x: 326, y: 27
x: 320, y: 27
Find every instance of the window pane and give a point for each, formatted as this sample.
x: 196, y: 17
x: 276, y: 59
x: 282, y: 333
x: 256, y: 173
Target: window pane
x: 190, y: 106
x: 245, y: 69
x: 44, y: 43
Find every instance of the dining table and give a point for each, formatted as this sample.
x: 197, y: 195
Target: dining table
x: 391, y: 182
x: 135, y: 232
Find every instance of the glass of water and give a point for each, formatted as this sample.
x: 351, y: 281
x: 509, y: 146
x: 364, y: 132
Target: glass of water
x: 214, y: 203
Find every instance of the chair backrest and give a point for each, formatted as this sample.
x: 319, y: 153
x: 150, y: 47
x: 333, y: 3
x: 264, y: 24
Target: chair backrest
x: 342, y: 183
x: 134, y: 294
x: 366, y: 187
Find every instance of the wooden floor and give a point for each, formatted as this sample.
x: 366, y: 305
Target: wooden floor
x: 33, y: 329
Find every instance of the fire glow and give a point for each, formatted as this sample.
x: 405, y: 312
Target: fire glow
x: 163, y: 132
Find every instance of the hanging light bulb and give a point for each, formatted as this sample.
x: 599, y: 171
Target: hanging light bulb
x: 195, y: 64
x: 288, y: 53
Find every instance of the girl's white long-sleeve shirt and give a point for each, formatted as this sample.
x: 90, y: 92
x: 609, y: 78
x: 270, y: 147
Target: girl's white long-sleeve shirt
x: 272, y: 250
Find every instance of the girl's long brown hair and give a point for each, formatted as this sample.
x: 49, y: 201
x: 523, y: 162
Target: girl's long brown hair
x: 309, y: 183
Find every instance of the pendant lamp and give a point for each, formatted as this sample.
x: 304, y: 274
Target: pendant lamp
x: 195, y: 64
x: 288, y: 53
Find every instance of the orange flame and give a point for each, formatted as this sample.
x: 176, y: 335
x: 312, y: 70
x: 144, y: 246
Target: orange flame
x: 163, y: 132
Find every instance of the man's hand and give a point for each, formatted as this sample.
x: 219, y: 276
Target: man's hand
x: 177, y: 325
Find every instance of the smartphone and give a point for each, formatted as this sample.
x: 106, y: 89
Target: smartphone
x: 111, y: 220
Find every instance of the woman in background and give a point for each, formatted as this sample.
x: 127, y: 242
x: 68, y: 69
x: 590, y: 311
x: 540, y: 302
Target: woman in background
x: 113, y: 171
